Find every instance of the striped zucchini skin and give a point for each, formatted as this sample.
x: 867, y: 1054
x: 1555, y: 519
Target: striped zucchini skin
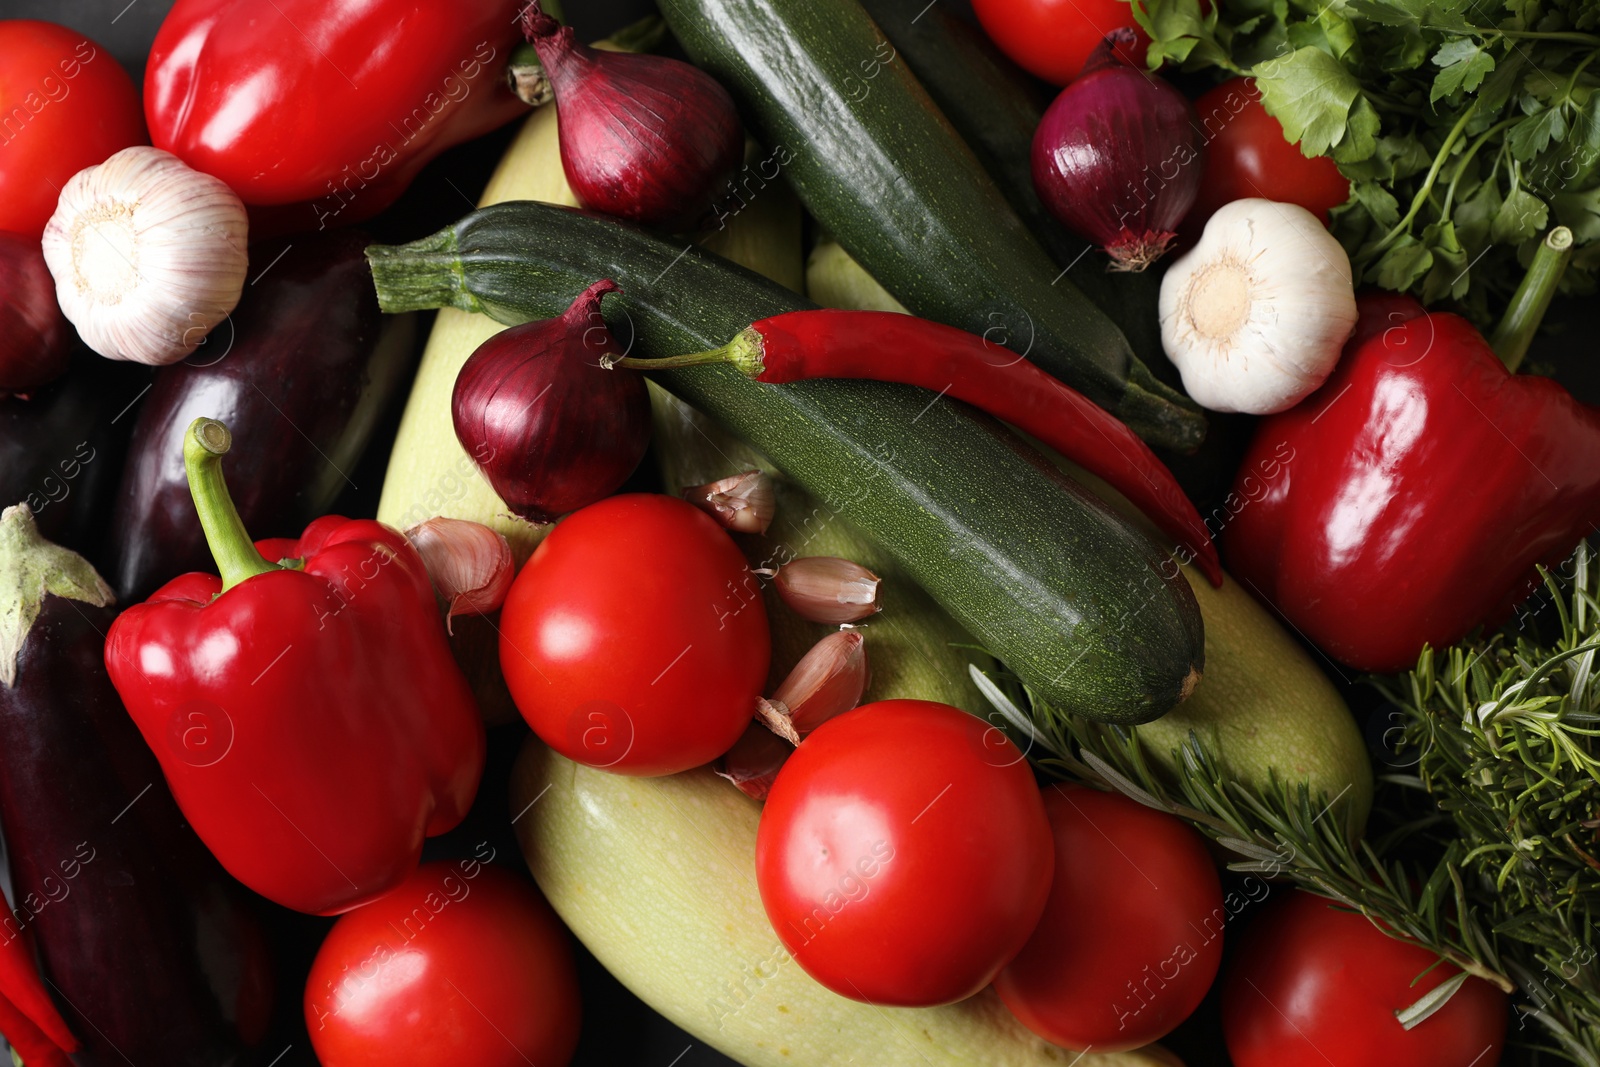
x: 879, y: 166
x: 1065, y: 593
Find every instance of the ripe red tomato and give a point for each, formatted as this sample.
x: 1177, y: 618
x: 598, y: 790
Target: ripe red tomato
x: 464, y: 963
x: 1052, y: 38
x: 1247, y: 155
x: 903, y: 855
x: 1132, y: 936
x: 1314, y: 984
x: 65, y: 104
x: 635, y: 638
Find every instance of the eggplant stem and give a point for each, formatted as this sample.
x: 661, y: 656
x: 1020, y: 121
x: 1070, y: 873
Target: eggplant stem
x: 1532, y: 298
x: 235, y: 554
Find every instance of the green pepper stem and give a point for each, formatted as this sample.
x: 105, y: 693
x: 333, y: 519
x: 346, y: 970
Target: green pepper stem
x: 744, y: 353
x: 235, y: 554
x: 1532, y: 298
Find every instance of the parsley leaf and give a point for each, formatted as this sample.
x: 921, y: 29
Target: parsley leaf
x: 1465, y: 64
x: 1310, y: 93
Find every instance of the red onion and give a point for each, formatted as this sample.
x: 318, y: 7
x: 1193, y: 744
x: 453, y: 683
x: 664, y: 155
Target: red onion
x: 645, y: 138
x: 34, y: 335
x: 1119, y: 156
x: 551, y: 427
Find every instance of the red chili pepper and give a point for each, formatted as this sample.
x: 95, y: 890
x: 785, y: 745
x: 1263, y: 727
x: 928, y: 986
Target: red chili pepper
x: 308, y: 714
x: 1422, y: 483
x: 28, y: 1017
x: 890, y: 347
x: 323, y: 112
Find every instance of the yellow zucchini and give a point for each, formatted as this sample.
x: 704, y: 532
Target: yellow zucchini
x: 656, y: 876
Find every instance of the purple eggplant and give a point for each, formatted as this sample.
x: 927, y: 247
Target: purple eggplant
x: 306, y: 366
x: 61, y: 448
x: 149, y: 948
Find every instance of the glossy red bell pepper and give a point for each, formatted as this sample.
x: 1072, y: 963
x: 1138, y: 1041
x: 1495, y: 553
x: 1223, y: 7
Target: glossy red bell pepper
x: 1425, y: 482
x: 307, y: 713
x: 324, y: 112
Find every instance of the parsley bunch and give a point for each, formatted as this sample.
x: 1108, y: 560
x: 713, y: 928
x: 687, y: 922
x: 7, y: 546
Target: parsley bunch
x: 1467, y: 127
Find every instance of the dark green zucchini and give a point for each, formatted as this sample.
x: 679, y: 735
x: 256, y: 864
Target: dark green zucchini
x: 1062, y: 590
x: 995, y: 106
x: 882, y: 169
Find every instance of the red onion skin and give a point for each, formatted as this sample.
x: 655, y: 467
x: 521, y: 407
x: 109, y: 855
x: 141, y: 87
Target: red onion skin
x: 1118, y: 158
x: 645, y: 138
x: 34, y: 335
x: 552, y: 429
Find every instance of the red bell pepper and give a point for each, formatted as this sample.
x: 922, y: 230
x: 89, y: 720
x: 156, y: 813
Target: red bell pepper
x: 1425, y: 480
x: 324, y: 112
x: 308, y: 714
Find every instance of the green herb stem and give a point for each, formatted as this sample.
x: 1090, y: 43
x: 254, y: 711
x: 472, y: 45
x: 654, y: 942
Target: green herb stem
x: 1532, y: 298
x: 1427, y: 185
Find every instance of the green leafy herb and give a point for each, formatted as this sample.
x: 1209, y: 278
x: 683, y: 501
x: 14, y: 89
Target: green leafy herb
x: 1465, y: 126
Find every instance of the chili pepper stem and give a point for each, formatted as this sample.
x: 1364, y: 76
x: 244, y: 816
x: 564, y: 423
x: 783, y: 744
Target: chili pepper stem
x: 1532, y: 298
x: 235, y: 554
x: 745, y: 353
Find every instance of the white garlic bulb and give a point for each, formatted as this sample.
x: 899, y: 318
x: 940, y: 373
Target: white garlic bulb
x: 148, y: 255
x: 1255, y: 315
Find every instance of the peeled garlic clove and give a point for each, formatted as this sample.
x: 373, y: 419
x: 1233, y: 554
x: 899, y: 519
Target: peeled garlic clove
x: 828, y: 589
x: 1256, y: 314
x: 744, y: 503
x: 148, y: 255
x: 469, y: 564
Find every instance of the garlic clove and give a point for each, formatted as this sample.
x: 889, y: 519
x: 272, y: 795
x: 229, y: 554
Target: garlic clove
x: 1256, y: 314
x: 148, y: 255
x: 828, y: 681
x: 752, y: 764
x: 469, y: 564
x: 828, y: 589
x: 743, y: 503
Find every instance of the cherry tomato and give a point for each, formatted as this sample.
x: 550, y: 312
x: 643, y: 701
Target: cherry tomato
x: 65, y: 104
x: 635, y: 639
x: 1132, y: 936
x: 1052, y: 38
x: 1316, y: 984
x: 903, y: 855
x: 1247, y: 155
x: 464, y: 963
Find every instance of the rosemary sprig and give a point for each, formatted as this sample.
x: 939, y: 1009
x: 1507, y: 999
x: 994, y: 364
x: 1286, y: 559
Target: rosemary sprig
x: 1500, y: 875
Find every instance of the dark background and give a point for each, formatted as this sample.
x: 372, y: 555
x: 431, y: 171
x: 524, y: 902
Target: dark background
x: 618, y: 1029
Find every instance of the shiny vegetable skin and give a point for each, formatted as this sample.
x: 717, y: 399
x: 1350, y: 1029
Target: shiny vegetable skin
x: 61, y: 448
x: 657, y: 877
x: 882, y: 169
x: 142, y: 935
x: 306, y: 363
x: 888, y: 346
x: 995, y: 106
x: 1041, y: 573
